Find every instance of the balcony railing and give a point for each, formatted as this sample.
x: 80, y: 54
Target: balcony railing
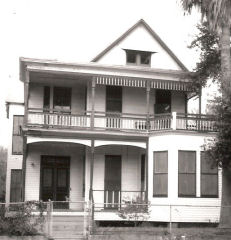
x: 121, y: 121
x: 38, y: 117
x: 196, y: 122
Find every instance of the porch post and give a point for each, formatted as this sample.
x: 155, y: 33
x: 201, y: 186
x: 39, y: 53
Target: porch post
x: 93, y: 84
x: 26, y: 96
x: 146, y: 164
x: 91, y: 168
x: 148, y: 104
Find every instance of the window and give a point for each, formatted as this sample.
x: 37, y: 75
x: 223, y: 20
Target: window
x: 16, y: 185
x: 160, y: 174
x: 62, y: 99
x: 187, y: 173
x: 113, y: 99
x: 135, y: 57
x: 209, y: 177
x: 17, y: 139
x: 163, y: 102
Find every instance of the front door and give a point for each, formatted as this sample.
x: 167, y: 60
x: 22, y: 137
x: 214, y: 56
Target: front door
x: 112, y: 181
x: 55, y: 178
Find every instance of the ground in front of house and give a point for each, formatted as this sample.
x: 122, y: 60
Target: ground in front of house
x: 161, y: 233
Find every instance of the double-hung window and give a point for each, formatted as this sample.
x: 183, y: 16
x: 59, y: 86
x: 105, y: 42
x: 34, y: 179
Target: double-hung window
x: 186, y: 173
x: 209, y: 177
x: 160, y: 174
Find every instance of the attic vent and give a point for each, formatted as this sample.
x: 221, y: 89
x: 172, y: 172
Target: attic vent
x: 135, y: 57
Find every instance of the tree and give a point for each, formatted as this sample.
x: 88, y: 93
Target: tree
x: 3, y: 159
x: 217, y: 14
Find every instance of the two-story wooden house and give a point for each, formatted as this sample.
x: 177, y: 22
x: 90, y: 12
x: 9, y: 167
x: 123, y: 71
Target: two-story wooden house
x: 112, y: 130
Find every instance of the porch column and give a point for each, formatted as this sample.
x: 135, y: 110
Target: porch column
x: 146, y: 164
x: 93, y: 84
x: 91, y: 168
x: 26, y: 96
x: 148, y: 104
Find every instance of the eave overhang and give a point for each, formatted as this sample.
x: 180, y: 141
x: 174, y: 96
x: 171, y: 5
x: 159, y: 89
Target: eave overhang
x: 95, y: 69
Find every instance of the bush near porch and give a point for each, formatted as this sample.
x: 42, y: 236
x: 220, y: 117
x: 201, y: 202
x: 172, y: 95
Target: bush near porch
x: 23, y: 238
x: 18, y: 219
x: 3, y: 160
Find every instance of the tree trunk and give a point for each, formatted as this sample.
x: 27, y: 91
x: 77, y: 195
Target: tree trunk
x: 225, y: 213
x: 225, y: 61
x: 225, y: 217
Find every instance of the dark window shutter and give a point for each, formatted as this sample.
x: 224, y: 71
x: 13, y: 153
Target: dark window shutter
x: 16, y: 185
x: 17, y: 139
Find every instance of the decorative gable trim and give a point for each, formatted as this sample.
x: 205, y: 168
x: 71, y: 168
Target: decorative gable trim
x: 155, y: 36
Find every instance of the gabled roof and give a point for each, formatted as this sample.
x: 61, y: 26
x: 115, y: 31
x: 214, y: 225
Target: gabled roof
x: 155, y: 36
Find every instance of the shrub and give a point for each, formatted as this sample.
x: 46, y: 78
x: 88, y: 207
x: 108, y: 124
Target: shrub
x: 19, y: 219
x: 3, y: 159
x: 136, y: 210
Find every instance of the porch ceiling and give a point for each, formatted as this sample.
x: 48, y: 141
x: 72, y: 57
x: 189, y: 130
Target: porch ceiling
x: 86, y: 142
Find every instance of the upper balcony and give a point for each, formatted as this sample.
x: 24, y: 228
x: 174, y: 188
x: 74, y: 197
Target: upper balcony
x: 104, y: 99
x: 124, y: 122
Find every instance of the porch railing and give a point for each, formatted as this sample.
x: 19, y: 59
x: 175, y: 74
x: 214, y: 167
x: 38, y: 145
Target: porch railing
x: 115, y: 198
x: 121, y: 121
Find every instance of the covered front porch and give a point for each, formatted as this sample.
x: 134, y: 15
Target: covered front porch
x: 119, y: 176
x: 70, y: 172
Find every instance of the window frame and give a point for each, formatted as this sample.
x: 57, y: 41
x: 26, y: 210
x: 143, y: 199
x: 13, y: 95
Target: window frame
x: 161, y: 94
x: 69, y: 89
x: 165, y: 173
x: 195, y: 174
x: 110, y: 99
x: 201, y: 173
x: 13, y: 134
x: 12, y: 171
x: 138, y: 57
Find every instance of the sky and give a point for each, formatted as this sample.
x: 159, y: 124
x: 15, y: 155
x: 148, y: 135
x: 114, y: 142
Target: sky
x: 77, y: 30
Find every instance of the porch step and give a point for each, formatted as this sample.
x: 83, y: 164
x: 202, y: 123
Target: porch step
x: 68, y: 227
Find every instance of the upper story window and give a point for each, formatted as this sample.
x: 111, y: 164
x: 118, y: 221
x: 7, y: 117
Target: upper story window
x: 163, y: 101
x: 113, y: 99
x: 134, y: 57
x: 61, y: 98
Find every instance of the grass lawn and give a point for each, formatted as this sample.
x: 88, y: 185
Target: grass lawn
x: 148, y: 233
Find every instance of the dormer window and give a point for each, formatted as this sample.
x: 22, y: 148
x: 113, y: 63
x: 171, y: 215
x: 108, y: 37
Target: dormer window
x: 135, y: 57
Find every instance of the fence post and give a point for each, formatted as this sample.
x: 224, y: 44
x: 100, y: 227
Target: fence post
x: 85, y: 217
x: 49, y: 217
x: 170, y: 223
x: 92, y: 216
